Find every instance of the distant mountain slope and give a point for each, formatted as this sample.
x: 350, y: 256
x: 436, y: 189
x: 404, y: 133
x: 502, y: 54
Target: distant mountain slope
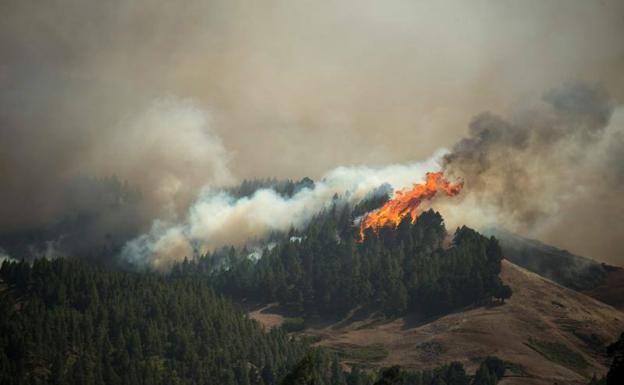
x: 551, y: 334
x: 561, y: 266
x: 598, y: 280
x: 611, y: 290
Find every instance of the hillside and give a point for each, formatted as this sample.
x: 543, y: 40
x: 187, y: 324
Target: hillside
x: 550, y: 333
x: 68, y: 322
x: 561, y: 266
x: 326, y: 269
x: 611, y: 289
x: 598, y: 280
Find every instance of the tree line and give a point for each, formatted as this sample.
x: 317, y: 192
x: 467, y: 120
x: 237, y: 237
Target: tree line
x: 324, y: 269
x: 317, y: 368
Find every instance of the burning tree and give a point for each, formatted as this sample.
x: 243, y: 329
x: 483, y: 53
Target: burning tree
x: 407, y: 203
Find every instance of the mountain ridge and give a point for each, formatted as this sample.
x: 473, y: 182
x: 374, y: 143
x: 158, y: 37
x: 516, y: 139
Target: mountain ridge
x: 598, y: 280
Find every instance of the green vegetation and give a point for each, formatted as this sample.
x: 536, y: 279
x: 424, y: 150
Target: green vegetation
x: 284, y: 187
x: 293, y: 324
x: 559, y: 353
x: 70, y: 322
x: 592, y: 340
x: 490, y: 371
x: 497, y: 366
x: 310, y: 339
x: 516, y: 369
x: 368, y: 353
x: 615, y: 375
x: 325, y: 270
x: 502, y: 292
x: 67, y: 322
x: 308, y: 371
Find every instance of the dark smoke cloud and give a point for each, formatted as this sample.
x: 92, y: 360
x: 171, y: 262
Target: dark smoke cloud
x: 588, y: 108
x: 548, y: 168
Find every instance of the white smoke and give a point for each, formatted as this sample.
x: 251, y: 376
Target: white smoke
x: 170, y: 149
x: 4, y: 256
x: 217, y: 218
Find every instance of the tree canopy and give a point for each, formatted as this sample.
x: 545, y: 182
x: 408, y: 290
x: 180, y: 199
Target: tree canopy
x: 324, y: 269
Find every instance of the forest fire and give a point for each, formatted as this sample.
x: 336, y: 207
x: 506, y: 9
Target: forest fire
x: 407, y: 202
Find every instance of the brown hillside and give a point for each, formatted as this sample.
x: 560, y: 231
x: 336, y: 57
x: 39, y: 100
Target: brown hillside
x: 551, y: 333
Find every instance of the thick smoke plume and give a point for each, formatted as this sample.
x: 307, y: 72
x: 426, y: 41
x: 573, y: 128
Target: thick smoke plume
x: 548, y: 171
x: 159, y: 158
x: 549, y: 166
x: 218, y: 219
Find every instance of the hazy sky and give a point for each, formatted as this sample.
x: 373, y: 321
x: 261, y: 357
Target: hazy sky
x: 274, y: 88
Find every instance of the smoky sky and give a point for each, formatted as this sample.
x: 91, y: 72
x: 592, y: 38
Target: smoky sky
x: 174, y: 96
x: 550, y: 170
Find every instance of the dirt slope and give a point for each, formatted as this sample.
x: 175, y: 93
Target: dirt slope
x: 553, y: 334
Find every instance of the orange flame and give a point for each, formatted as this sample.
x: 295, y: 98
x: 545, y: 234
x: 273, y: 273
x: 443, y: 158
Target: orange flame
x: 407, y: 202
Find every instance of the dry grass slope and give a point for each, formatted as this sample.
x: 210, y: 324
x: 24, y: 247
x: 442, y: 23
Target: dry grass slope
x: 551, y: 333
